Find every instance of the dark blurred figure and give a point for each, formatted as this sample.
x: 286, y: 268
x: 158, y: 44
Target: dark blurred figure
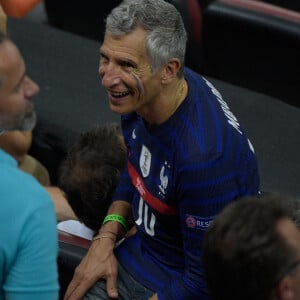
x: 289, y: 4
x: 252, y: 250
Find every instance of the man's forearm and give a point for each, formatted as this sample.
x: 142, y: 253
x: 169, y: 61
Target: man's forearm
x: 63, y: 209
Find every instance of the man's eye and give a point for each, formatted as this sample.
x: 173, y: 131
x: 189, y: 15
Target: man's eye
x: 127, y: 64
x: 17, y: 88
x: 103, y: 60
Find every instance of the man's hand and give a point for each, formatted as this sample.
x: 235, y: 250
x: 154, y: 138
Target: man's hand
x: 99, y: 263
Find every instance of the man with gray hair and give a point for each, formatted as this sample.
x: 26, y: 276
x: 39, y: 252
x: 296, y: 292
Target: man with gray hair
x: 187, y: 158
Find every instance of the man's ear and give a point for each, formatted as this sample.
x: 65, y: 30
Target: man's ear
x: 170, y: 70
x: 285, y: 289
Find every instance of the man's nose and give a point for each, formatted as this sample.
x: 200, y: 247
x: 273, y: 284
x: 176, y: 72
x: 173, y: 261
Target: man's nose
x: 110, y: 75
x: 31, y: 88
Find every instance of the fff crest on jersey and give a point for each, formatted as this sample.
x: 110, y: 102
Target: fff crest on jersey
x: 145, y: 161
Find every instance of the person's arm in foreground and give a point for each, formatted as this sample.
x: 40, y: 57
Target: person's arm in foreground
x: 63, y: 209
x: 100, y: 261
x: 16, y: 143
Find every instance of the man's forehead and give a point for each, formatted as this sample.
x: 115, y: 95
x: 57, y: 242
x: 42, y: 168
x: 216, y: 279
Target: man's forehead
x: 12, y: 65
x: 132, y: 40
x: 124, y: 51
x: 8, y: 52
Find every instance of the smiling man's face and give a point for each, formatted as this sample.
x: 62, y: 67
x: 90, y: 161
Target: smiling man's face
x: 126, y: 73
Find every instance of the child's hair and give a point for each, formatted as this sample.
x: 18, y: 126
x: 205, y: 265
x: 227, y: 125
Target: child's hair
x: 90, y: 173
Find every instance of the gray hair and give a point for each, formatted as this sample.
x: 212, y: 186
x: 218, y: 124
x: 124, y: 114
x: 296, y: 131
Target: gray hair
x: 166, y: 33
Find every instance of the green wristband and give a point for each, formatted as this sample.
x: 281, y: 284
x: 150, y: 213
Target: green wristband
x: 118, y: 219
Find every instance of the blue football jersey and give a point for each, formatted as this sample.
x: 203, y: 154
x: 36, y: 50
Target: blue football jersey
x: 179, y: 176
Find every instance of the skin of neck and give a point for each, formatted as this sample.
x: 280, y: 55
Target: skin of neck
x: 172, y: 94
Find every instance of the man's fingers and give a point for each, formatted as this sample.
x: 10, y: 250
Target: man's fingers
x: 111, y: 285
x: 71, y: 288
x: 91, y: 270
x: 77, y: 292
x: 78, y: 288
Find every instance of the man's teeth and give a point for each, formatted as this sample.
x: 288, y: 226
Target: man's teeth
x: 119, y: 95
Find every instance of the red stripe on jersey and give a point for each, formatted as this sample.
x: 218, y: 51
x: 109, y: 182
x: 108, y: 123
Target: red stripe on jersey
x: 154, y: 202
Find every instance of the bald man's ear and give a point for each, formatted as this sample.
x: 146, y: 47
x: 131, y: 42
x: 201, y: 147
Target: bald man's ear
x: 285, y: 289
x: 170, y: 70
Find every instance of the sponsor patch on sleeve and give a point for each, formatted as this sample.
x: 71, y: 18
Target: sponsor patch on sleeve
x: 196, y: 222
